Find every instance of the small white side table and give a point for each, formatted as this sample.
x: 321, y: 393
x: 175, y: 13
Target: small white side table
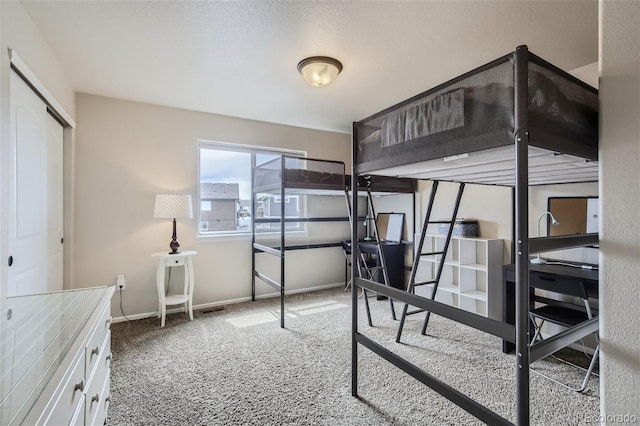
x: 166, y: 260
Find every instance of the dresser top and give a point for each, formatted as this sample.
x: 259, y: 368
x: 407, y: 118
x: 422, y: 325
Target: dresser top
x: 37, y: 332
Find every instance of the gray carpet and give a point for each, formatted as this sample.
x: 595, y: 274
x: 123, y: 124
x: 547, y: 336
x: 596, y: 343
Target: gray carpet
x: 238, y: 367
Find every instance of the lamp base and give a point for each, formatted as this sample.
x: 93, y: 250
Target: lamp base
x: 174, y: 246
x: 538, y: 261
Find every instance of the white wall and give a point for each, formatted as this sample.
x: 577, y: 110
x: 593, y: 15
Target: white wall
x: 620, y: 204
x: 18, y: 32
x: 126, y: 152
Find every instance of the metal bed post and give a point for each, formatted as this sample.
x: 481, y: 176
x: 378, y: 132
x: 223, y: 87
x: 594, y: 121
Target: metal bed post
x: 354, y: 259
x: 253, y: 230
x: 282, y: 241
x: 521, y: 135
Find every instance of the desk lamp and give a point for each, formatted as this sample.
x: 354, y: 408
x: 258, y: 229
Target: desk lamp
x: 537, y: 260
x: 173, y: 206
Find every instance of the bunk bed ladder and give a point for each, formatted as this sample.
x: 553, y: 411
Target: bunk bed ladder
x: 371, y: 218
x: 360, y: 261
x: 435, y: 281
x: 364, y: 270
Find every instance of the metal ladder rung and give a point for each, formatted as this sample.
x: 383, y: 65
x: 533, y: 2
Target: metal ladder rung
x: 441, y: 221
x: 431, y: 253
x: 417, y: 311
x: 425, y: 283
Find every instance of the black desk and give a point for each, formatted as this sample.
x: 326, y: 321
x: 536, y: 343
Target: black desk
x: 537, y: 273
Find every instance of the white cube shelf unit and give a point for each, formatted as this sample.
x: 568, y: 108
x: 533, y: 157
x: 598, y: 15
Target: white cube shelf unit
x: 472, y: 273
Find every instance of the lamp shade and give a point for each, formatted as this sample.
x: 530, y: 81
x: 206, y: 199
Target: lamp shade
x: 319, y: 71
x: 173, y: 206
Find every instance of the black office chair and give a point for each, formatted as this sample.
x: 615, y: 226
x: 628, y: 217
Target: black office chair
x: 566, y: 317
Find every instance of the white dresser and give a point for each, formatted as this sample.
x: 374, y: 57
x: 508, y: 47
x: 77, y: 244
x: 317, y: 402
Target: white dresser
x: 55, y: 358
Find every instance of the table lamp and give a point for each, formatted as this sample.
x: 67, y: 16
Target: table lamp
x: 537, y: 260
x: 173, y: 206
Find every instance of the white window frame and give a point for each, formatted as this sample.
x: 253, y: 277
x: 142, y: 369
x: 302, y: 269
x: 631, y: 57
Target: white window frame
x: 253, y: 149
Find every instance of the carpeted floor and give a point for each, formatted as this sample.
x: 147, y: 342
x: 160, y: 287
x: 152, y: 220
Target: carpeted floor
x: 238, y: 367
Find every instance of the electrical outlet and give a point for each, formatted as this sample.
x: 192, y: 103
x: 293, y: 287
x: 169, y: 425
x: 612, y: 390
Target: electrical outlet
x: 121, y: 282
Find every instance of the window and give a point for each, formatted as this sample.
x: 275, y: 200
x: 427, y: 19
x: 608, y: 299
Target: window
x: 226, y: 190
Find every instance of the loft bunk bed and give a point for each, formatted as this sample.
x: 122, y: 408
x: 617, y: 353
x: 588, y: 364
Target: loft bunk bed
x: 285, y: 176
x: 275, y: 180
x: 516, y: 121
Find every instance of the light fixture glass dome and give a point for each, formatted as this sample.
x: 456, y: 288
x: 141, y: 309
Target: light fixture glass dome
x: 319, y: 71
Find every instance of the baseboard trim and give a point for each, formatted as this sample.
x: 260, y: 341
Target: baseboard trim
x: 227, y: 302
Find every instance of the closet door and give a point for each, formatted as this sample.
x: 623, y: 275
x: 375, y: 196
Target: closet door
x: 55, y: 215
x: 35, y: 217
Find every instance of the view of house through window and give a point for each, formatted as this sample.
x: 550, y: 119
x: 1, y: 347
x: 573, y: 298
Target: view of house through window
x: 226, y: 190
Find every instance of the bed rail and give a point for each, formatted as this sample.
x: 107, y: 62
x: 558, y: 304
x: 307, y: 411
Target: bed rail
x: 561, y: 340
x: 488, y: 325
x: 561, y: 242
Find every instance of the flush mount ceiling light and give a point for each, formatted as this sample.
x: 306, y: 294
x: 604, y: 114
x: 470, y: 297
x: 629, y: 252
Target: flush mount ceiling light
x: 319, y: 71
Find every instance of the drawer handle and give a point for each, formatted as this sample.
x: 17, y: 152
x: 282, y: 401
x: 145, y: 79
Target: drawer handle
x: 79, y: 386
x: 95, y: 398
x: 108, y: 359
x: 95, y: 351
x: 107, y: 401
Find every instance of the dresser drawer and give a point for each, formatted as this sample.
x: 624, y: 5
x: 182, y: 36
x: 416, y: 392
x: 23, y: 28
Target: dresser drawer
x: 101, y: 408
x: 98, y: 403
x: 103, y: 366
x: 95, y: 391
x: 70, y: 395
x: 93, y: 348
x: 78, y: 416
x: 174, y: 261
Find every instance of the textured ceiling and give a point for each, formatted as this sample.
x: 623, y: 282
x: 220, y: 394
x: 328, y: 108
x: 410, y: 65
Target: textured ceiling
x: 238, y: 58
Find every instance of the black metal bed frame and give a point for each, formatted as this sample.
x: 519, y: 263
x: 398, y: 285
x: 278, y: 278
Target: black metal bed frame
x: 379, y: 184
x: 526, y: 353
x: 283, y: 248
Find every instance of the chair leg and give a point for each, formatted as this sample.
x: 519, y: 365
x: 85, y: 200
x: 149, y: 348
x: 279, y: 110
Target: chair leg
x: 592, y: 365
x: 585, y: 381
x: 163, y: 313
